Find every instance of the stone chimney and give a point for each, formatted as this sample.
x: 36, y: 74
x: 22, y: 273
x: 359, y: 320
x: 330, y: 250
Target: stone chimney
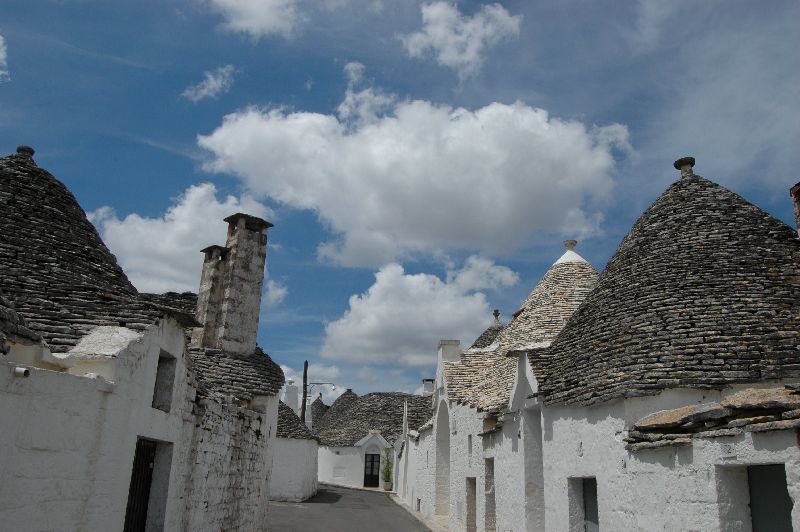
x: 290, y: 396
x: 428, y: 386
x: 449, y: 351
x: 229, y: 299
x: 794, y: 192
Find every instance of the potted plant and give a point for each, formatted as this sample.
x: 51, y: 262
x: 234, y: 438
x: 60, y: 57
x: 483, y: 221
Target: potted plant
x: 386, y: 470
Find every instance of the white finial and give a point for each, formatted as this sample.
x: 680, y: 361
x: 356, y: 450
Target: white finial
x: 570, y: 244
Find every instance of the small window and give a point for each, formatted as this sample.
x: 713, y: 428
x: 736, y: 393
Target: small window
x: 165, y: 379
x: 469, y: 446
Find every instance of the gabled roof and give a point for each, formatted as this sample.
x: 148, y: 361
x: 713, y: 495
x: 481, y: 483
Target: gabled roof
x: 290, y: 426
x: 704, y: 292
x: 56, y: 270
x: 382, y: 411
x: 483, y: 378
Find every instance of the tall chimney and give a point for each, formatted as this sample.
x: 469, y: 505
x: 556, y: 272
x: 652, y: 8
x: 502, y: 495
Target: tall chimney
x: 794, y: 192
x: 209, y: 297
x: 229, y: 299
x: 244, y: 276
x: 290, y: 396
x: 449, y: 350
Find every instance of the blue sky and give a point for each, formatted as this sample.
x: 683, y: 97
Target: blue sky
x: 421, y: 161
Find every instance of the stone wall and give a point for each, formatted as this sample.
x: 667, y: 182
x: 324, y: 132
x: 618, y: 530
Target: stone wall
x: 229, y: 468
x: 294, y: 469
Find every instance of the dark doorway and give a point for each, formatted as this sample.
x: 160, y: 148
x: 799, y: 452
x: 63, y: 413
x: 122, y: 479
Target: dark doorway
x: 141, y: 479
x: 770, y: 505
x: 590, y: 514
x: 372, y: 466
x: 147, y: 495
x: 472, y: 507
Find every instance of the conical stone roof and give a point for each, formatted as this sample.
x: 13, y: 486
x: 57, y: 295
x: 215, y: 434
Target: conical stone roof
x: 483, y: 378
x: 381, y: 411
x: 704, y: 291
x: 290, y: 426
x: 54, y: 267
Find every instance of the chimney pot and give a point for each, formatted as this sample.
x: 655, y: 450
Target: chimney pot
x: 570, y: 244
x: 685, y: 165
x: 27, y: 151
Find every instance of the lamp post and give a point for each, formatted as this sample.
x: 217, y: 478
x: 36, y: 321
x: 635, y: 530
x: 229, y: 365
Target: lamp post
x: 307, y: 386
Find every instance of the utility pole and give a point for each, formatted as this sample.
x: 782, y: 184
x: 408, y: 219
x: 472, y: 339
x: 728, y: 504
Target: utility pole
x: 305, y: 392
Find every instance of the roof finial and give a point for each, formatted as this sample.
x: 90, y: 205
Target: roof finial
x: 26, y: 151
x: 570, y: 244
x: 684, y: 164
x: 496, y: 315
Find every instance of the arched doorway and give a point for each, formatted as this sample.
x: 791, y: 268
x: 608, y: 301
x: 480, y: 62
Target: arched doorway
x: 443, y: 460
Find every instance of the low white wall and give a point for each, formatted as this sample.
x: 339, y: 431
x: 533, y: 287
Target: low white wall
x: 341, y: 465
x: 294, y: 470
x: 661, y: 489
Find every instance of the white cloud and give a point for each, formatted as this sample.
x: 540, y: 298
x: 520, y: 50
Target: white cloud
x: 460, y: 42
x: 401, y: 317
x: 3, y: 59
x: 392, y: 178
x: 215, y: 82
x: 163, y: 253
x: 274, y: 294
x: 260, y: 18
x: 732, y: 102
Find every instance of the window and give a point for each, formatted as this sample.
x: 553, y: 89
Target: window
x: 165, y: 379
x: 583, y: 510
x: 469, y: 447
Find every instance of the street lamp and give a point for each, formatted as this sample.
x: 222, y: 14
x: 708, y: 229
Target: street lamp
x: 307, y: 388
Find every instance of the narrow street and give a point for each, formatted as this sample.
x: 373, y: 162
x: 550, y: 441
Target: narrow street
x: 335, y: 509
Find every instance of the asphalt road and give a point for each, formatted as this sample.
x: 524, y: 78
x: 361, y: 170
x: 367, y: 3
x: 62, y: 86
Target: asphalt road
x: 335, y: 509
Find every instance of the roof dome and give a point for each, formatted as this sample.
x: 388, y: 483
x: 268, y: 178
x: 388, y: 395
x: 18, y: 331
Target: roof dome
x: 704, y: 291
x: 484, y: 378
x: 55, y: 268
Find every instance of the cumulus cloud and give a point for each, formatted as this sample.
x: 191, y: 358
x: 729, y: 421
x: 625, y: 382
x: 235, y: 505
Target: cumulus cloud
x: 401, y: 317
x: 3, y: 59
x: 457, y: 41
x: 260, y: 18
x: 214, y: 83
x: 274, y: 294
x: 163, y: 253
x: 392, y: 178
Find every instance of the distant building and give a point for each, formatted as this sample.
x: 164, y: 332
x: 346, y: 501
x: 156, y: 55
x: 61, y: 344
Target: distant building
x: 355, y: 431
x: 294, y: 462
x: 669, y: 400
x: 108, y: 419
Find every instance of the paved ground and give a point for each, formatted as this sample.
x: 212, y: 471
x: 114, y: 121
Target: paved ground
x: 335, y: 509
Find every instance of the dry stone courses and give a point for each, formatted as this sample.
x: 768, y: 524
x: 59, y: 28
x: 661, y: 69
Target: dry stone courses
x: 290, y: 426
x: 703, y: 292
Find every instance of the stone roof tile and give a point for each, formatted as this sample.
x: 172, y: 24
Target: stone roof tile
x: 290, y: 426
x: 483, y: 378
x: 242, y: 376
x: 703, y: 292
x: 345, y: 425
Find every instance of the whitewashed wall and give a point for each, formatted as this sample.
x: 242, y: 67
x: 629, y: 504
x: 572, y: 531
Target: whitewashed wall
x: 345, y: 465
x: 660, y: 489
x: 67, y: 442
x: 417, y: 469
x: 294, y: 469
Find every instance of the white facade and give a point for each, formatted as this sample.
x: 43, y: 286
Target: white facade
x: 294, y: 469
x: 345, y: 465
x: 68, y: 439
